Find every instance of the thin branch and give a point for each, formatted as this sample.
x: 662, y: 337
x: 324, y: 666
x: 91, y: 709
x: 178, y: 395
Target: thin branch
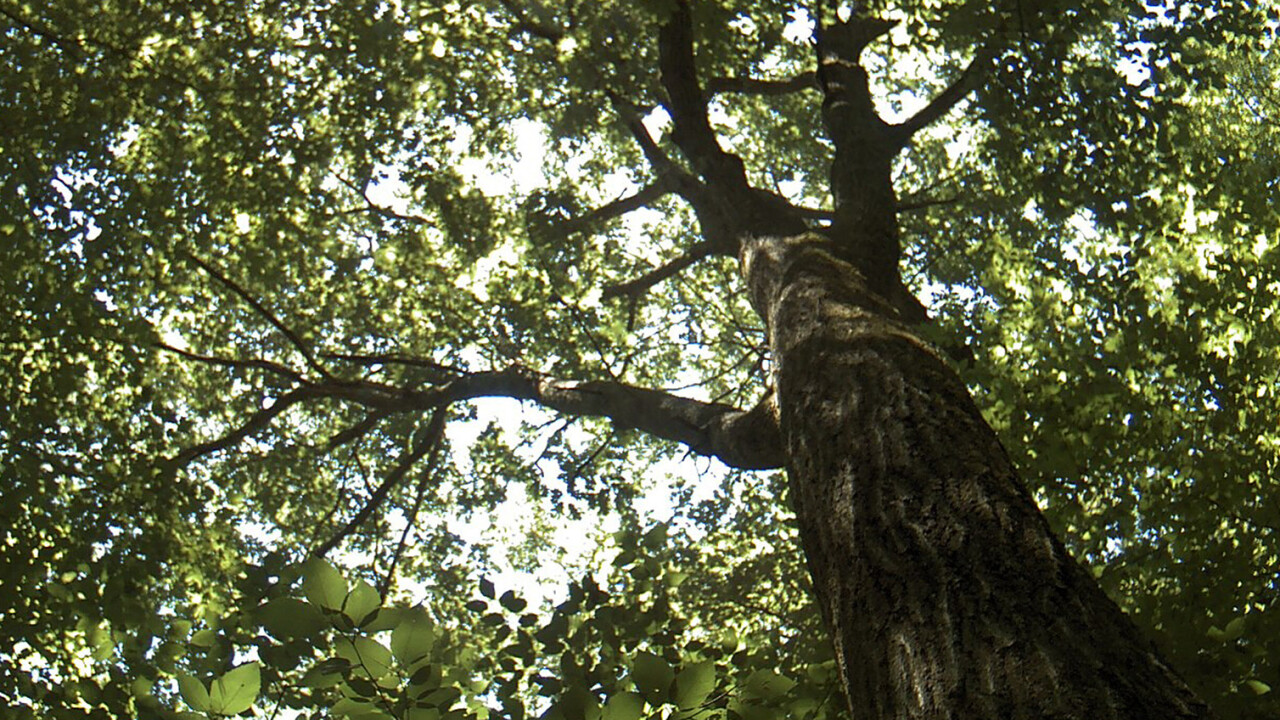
x: 663, y: 166
x: 715, y: 223
x: 640, y: 285
x: 446, y: 371
x: 756, y: 86
x: 255, y: 363
x: 393, y: 479
x: 355, y: 431
x: 571, y: 480
x: 264, y: 312
x: 255, y: 424
x: 372, y: 206
x: 71, y: 47
x: 968, y: 81
x: 621, y: 206
x: 537, y: 28
x: 922, y: 204
x: 584, y: 327
x: 435, y: 436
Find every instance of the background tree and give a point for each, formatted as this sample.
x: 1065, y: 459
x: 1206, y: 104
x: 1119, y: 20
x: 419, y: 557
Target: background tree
x: 256, y: 264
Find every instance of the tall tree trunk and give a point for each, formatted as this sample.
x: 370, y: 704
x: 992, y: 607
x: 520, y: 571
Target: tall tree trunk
x: 945, y: 592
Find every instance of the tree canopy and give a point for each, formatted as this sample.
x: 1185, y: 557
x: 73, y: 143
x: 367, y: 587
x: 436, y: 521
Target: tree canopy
x: 260, y: 259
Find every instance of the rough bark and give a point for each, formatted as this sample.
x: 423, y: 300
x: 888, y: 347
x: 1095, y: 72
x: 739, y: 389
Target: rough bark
x: 945, y: 592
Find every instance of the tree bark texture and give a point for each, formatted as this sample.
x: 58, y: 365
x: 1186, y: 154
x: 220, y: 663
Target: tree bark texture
x: 946, y: 594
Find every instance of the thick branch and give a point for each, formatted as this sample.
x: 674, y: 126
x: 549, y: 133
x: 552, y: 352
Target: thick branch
x: 741, y: 439
x: 947, y: 99
x: 687, y: 104
x: 640, y: 285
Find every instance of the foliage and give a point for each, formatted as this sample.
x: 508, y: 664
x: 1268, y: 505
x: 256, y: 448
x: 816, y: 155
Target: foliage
x: 325, y: 187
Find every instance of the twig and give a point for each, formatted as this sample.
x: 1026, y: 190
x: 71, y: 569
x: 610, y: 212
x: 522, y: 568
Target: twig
x: 755, y: 86
x: 640, y: 285
x: 387, y: 359
x: 379, y: 209
x: 264, y: 312
x: 255, y: 423
x: 256, y: 363
x: 621, y: 206
x: 576, y: 314
x: 406, y: 463
x: 948, y: 98
x: 435, y: 435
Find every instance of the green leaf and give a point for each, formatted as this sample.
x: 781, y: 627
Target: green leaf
x: 366, y: 655
x: 579, y: 704
x: 1258, y: 687
x: 360, y: 603
x: 193, y: 692
x: 234, y: 692
x: 353, y: 708
x: 511, y: 602
x: 767, y: 684
x: 288, y: 618
x: 694, y: 683
x: 204, y: 638
x: 323, y: 584
x: 652, y: 676
x: 623, y: 706
x: 413, y: 638
x: 486, y: 588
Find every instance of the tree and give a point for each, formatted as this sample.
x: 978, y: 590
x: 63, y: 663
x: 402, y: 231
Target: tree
x: 259, y: 266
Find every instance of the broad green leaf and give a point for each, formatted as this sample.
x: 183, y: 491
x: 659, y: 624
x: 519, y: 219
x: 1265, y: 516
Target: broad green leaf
x: 623, y: 706
x: 291, y: 618
x: 235, y: 691
x: 353, y: 708
x: 694, y: 683
x: 193, y: 692
x: 323, y: 584
x: 360, y: 603
x: 767, y: 684
x: 653, y: 676
x: 579, y: 704
x: 366, y: 655
x: 413, y: 638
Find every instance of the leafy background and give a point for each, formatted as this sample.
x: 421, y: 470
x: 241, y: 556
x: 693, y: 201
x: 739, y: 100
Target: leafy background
x: 1097, y: 226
